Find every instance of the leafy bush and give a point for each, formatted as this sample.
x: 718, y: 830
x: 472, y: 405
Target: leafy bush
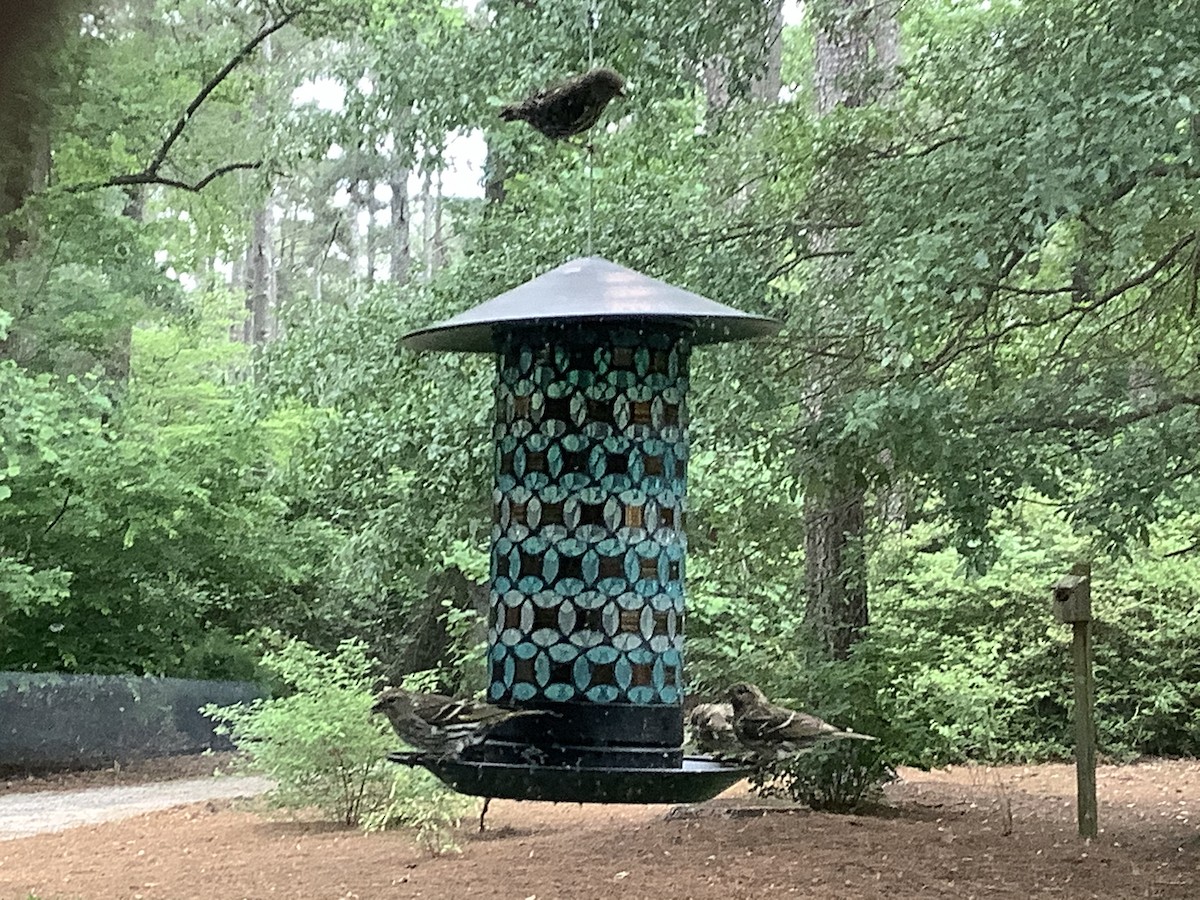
x: 833, y: 778
x: 326, y: 751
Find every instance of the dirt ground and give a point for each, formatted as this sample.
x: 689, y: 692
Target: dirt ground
x: 960, y: 833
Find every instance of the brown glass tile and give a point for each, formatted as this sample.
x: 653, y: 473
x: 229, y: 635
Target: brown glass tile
x: 648, y: 567
x: 512, y: 617
x: 634, y: 516
x: 641, y: 675
x: 591, y: 513
x: 552, y: 513
x: 660, y: 362
x: 535, y: 461
x: 670, y: 413
x: 653, y: 465
x: 612, y: 567
x: 630, y: 621
x: 521, y: 407
x: 617, y: 464
x: 623, y: 358
x: 669, y: 676
x: 531, y: 564
x: 575, y: 461
x: 666, y: 517
x: 545, y: 617
x: 673, y: 570
x: 589, y: 620
x: 640, y: 412
x: 524, y: 671
x: 600, y: 411
x: 661, y: 618
x: 604, y: 673
x: 562, y: 673
x: 516, y: 513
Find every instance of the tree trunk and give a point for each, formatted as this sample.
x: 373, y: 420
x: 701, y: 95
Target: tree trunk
x: 768, y: 85
x: 260, y: 279
x: 767, y: 49
x: 494, y: 173
x: 401, y: 253
x: 835, y: 574
x: 28, y: 41
x: 853, y: 38
x: 437, y: 249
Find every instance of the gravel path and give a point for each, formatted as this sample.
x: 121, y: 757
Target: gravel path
x: 24, y: 814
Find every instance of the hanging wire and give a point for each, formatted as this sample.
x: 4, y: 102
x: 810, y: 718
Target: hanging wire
x: 591, y: 24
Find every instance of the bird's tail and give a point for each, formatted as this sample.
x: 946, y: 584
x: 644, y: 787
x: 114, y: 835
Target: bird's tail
x: 854, y: 735
x: 521, y: 713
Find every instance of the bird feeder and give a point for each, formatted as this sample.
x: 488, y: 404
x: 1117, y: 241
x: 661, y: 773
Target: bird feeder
x: 588, y: 552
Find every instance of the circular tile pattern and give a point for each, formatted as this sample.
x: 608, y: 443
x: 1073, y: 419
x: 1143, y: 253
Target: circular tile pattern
x: 588, y: 544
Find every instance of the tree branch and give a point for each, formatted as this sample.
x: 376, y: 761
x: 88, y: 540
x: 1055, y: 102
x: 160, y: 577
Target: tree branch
x: 62, y: 511
x: 212, y: 84
x: 149, y: 178
x: 150, y: 174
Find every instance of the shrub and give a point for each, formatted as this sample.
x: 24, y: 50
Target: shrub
x: 326, y: 751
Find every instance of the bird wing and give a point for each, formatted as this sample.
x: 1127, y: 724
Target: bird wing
x: 776, y: 723
x: 436, y: 709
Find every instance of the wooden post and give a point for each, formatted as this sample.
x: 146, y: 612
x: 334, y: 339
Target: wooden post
x: 1073, y: 603
x: 1085, y: 729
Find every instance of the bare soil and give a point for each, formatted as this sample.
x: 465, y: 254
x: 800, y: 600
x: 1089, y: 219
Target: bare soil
x: 959, y: 833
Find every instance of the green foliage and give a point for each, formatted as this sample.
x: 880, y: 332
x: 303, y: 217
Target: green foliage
x: 958, y: 667
x: 325, y: 749
x: 833, y: 778
x: 845, y: 775
x: 134, y: 533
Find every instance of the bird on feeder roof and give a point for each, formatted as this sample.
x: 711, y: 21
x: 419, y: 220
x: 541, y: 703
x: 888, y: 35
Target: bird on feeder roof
x: 569, y: 108
x: 442, y: 726
x: 767, y: 729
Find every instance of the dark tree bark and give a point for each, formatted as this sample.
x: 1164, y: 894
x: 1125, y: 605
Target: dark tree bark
x: 29, y: 35
x: 855, y: 52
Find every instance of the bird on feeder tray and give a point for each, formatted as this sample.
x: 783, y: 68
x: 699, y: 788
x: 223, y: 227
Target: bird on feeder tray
x: 770, y: 730
x: 711, y: 727
x: 442, y: 726
x: 570, y: 108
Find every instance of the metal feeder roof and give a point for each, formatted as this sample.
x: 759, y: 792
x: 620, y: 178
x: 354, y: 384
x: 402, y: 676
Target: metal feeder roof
x: 590, y: 289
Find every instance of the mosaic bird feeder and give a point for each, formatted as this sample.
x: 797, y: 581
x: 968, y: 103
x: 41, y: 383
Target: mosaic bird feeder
x: 589, y: 542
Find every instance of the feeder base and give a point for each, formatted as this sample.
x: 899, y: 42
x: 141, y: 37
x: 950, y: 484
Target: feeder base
x: 699, y: 778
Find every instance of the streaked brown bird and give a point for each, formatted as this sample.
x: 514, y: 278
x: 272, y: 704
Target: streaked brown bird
x: 570, y: 108
x: 711, y: 727
x: 439, y: 725
x: 767, y: 729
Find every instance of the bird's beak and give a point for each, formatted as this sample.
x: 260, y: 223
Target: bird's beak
x: 378, y: 706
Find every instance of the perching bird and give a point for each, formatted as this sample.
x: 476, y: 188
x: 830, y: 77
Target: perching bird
x: 570, y: 108
x: 711, y: 725
x: 764, y: 728
x: 439, y: 725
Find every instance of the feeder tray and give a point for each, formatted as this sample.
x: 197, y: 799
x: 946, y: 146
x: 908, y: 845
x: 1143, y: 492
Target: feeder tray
x: 700, y: 778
